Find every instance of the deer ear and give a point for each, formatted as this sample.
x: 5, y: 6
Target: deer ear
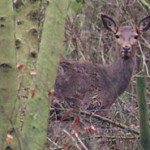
x: 109, y: 23
x: 144, y: 24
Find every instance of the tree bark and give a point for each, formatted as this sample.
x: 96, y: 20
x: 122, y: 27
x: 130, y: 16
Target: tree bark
x: 143, y: 112
x: 36, y: 119
x: 27, y: 46
x: 8, y: 78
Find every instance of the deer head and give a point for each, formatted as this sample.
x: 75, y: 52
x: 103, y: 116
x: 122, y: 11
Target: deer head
x: 126, y: 36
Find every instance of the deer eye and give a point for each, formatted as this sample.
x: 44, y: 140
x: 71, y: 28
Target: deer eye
x: 136, y: 36
x: 117, y: 36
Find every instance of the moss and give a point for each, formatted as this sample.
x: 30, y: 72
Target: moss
x: 143, y: 112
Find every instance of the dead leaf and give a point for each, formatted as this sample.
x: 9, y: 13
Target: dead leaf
x: 75, y: 124
x: 9, y: 139
x: 20, y: 66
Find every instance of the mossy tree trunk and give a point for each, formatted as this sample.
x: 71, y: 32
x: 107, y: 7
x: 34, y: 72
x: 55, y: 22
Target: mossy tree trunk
x: 36, y: 119
x: 143, y: 112
x: 27, y: 46
x: 8, y: 77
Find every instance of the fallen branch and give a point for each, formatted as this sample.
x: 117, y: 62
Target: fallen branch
x: 120, y: 125
x: 117, y: 137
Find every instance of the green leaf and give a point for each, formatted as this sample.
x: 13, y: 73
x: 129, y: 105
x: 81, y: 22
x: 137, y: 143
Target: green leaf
x: 74, y: 5
x: 125, y: 95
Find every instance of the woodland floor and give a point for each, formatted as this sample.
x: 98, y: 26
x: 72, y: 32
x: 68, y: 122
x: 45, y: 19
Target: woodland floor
x: 120, y: 129
x: 117, y: 130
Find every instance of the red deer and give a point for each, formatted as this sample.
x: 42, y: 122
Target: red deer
x: 84, y: 85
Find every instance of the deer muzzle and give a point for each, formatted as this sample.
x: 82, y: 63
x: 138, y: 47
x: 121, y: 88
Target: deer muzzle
x: 126, y: 52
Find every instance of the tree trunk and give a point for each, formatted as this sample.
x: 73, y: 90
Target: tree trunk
x: 36, y: 119
x: 27, y: 46
x: 143, y: 112
x: 8, y: 77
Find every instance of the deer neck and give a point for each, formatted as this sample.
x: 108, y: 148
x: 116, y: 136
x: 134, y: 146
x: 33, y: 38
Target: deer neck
x: 120, y: 72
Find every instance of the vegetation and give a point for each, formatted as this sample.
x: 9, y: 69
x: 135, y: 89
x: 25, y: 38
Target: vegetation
x: 36, y: 28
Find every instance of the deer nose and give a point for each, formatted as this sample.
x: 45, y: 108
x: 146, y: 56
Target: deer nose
x: 126, y: 48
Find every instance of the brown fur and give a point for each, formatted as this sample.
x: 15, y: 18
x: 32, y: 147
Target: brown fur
x: 93, y: 86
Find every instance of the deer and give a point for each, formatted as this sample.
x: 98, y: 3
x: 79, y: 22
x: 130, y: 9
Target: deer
x: 87, y: 86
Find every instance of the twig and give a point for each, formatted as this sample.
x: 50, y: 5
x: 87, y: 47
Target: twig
x: 145, y: 41
x: 73, y: 139
x: 123, y: 126
x: 144, y: 62
x: 101, y: 48
x: 54, y: 143
x: 116, y: 137
x: 76, y: 134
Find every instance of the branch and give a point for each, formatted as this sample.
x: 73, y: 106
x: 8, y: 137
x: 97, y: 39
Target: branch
x: 120, y: 125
